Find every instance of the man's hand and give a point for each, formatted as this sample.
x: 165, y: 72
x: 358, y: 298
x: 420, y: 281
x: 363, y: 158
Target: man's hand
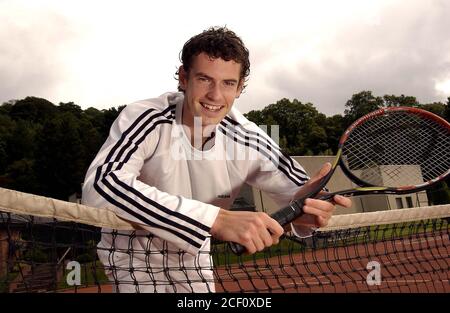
x: 318, y: 212
x: 254, y: 230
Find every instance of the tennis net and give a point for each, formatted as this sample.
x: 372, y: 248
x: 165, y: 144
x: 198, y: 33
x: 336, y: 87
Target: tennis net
x: 47, y: 245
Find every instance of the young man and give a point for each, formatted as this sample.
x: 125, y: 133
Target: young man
x: 173, y: 166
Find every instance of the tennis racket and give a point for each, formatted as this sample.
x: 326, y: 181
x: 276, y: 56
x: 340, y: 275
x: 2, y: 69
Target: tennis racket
x: 395, y: 150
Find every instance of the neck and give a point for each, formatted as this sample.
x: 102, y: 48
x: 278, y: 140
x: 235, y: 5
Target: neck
x: 196, y: 131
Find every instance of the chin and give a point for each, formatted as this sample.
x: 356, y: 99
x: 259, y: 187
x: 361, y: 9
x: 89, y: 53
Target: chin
x: 210, y: 121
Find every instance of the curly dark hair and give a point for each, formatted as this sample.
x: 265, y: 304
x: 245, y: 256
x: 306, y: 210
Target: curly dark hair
x: 216, y: 42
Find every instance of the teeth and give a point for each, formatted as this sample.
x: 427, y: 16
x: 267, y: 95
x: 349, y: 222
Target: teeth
x: 211, y: 107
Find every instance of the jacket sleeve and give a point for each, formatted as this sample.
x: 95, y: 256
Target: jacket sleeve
x: 112, y: 181
x: 277, y: 174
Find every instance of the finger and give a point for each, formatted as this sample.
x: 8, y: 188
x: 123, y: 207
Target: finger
x: 317, y: 212
x: 263, y: 237
x: 275, y: 230
x: 250, y: 248
x: 314, y: 182
x: 342, y: 201
x: 251, y: 241
x: 320, y: 204
x: 248, y: 242
x: 267, y: 239
x: 321, y: 221
x: 275, y: 240
x: 324, y: 170
x: 259, y: 243
x: 322, y: 193
x: 274, y: 237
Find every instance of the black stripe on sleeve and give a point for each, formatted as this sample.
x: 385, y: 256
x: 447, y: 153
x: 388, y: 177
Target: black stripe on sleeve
x: 110, y: 165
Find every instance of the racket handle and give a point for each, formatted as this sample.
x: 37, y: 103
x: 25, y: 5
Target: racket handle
x: 289, y: 213
x: 283, y: 217
x: 236, y: 248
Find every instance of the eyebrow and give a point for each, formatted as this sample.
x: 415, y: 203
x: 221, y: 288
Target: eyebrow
x: 209, y: 77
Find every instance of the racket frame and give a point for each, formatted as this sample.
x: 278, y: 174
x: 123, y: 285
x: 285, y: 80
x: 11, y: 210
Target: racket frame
x: 295, y: 207
x: 367, y: 188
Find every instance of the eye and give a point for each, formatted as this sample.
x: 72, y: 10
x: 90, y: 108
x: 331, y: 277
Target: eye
x: 203, y: 79
x: 230, y: 83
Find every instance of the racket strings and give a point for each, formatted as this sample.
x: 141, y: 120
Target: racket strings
x: 410, y: 145
x: 397, y: 149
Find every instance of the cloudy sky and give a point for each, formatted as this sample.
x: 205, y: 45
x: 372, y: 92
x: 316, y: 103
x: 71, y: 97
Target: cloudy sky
x: 108, y: 53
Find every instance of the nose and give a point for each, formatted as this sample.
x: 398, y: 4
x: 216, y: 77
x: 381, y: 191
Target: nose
x: 214, y: 92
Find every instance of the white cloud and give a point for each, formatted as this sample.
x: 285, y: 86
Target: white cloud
x: 108, y: 53
x: 400, y: 50
x: 443, y: 87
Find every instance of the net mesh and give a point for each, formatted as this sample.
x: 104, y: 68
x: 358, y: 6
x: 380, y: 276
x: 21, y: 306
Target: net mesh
x: 47, y: 250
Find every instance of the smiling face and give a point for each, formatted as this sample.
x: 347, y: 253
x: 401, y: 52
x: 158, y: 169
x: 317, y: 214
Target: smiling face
x: 210, y: 87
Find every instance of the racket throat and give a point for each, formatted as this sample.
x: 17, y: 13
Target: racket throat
x: 359, y: 192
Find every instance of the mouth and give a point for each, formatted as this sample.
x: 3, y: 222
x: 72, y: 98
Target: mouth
x: 211, y: 108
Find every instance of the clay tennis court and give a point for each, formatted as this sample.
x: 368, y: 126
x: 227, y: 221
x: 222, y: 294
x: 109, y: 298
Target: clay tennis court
x: 406, y: 265
x: 416, y: 264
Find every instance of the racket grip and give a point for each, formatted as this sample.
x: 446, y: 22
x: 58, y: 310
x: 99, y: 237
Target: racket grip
x: 289, y: 213
x: 236, y: 248
x: 283, y: 217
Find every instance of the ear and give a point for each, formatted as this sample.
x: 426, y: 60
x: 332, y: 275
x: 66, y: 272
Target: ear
x: 182, y: 77
x: 240, y: 88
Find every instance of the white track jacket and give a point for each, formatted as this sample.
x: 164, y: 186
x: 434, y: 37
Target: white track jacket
x: 148, y: 172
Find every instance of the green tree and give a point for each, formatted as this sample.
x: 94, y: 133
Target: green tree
x: 256, y: 116
x: 396, y: 101
x: 440, y: 194
x: 60, y: 157
x: 447, y: 110
x: 46, y: 149
x: 3, y: 156
x: 91, y: 140
x: 5, y: 108
x: 437, y: 108
x: 102, y: 120
x: 7, y: 125
x: 334, y: 127
x: 22, y: 141
x: 20, y: 175
x: 300, y: 125
x: 33, y: 109
x: 70, y: 107
x: 360, y: 104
